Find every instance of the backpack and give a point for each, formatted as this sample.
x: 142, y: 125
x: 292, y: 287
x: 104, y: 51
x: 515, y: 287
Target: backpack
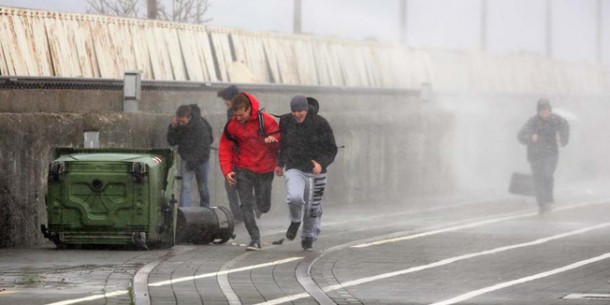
x: 261, y: 126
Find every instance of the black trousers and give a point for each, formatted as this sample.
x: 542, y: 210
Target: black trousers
x: 543, y: 169
x: 253, y: 189
x: 233, y: 201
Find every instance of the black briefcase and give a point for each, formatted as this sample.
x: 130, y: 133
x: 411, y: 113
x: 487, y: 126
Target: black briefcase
x: 522, y: 184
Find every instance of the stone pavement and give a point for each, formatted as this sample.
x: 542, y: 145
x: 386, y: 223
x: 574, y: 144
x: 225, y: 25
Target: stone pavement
x: 226, y: 274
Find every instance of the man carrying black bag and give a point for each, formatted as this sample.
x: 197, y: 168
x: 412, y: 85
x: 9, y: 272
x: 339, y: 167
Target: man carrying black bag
x: 541, y: 134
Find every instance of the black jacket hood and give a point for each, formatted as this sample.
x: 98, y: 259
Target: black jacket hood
x: 314, y: 106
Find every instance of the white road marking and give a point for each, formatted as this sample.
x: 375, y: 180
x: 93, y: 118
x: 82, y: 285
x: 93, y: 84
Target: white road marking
x: 587, y: 296
x: 91, y: 298
x: 444, y: 230
x: 286, y: 299
x: 436, y: 264
x: 212, y: 274
x: 178, y: 280
x: 472, y: 225
x: 223, y: 280
x: 485, y: 290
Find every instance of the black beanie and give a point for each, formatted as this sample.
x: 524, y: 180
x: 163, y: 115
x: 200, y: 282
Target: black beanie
x: 228, y: 93
x: 543, y: 104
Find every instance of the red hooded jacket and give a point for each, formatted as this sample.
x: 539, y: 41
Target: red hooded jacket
x: 245, y: 147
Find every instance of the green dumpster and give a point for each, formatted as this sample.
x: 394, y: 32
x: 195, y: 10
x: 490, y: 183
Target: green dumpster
x: 113, y: 196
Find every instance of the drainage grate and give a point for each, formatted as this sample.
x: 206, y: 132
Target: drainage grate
x: 587, y: 296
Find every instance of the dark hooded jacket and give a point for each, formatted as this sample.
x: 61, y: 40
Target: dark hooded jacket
x: 549, y: 132
x: 193, y: 140
x: 311, y: 140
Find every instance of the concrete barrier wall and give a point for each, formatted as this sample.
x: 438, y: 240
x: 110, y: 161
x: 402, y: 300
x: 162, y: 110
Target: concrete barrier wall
x: 395, y: 146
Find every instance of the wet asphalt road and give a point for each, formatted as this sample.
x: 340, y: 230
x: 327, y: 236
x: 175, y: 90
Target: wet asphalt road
x: 466, y: 250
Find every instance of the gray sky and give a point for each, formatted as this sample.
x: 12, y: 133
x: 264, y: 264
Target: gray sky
x: 513, y: 25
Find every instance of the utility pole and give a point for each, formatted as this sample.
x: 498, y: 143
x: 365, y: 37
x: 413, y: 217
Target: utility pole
x: 549, y: 29
x: 152, y: 10
x: 483, y: 25
x: 599, y: 47
x: 296, y: 28
x: 403, y: 21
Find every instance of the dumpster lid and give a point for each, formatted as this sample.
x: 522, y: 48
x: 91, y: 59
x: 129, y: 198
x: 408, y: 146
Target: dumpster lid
x: 151, y: 156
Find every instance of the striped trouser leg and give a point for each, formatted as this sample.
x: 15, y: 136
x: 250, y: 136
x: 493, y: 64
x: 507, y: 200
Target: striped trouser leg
x: 312, y: 216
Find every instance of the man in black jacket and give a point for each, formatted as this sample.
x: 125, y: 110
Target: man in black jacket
x: 307, y: 148
x: 193, y: 135
x: 227, y: 94
x: 541, y: 134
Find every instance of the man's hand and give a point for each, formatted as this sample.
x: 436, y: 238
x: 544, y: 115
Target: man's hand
x: 279, y: 171
x: 230, y: 178
x: 271, y: 139
x: 317, y: 168
x: 174, y: 122
x: 535, y: 138
x: 560, y: 141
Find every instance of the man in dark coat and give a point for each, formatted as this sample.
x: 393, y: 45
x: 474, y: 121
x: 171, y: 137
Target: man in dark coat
x: 307, y: 148
x: 227, y: 94
x: 193, y: 135
x: 541, y: 134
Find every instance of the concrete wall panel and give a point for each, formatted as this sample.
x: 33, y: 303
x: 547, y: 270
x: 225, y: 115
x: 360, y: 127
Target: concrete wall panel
x: 394, y: 146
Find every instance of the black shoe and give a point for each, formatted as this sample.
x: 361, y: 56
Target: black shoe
x: 544, y: 210
x: 291, y: 233
x: 253, y: 246
x: 307, y: 243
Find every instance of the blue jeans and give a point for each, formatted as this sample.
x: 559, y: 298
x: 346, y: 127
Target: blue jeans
x: 201, y: 173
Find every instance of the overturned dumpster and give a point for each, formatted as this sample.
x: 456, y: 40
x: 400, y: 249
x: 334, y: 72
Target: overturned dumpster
x: 111, y: 197
x: 119, y: 197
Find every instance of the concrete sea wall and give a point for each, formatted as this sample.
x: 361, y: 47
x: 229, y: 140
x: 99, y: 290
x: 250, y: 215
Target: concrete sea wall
x: 394, y: 145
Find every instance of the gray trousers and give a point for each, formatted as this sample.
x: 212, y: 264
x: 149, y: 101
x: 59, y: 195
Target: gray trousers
x: 304, y: 200
x: 543, y: 170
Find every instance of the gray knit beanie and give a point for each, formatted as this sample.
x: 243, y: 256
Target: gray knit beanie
x: 298, y: 103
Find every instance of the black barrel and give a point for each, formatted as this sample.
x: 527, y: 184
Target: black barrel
x: 199, y: 225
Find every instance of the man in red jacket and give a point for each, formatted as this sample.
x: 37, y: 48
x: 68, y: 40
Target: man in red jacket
x: 248, y: 155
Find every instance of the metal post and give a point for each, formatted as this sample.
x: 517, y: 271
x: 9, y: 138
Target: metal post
x: 403, y: 21
x: 549, y: 29
x: 483, y: 25
x: 152, y: 9
x: 297, y: 26
x: 599, y: 47
x: 91, y: 139
x: 132, y: 87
